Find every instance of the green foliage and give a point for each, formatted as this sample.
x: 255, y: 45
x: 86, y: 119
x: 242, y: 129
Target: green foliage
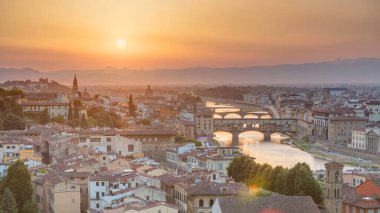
x: 189, y: 98
x: 70, y: 115
x: 76, y: 113
x: 12, y: 121
x: 98, y: 117
x: 8, y: 202
x: 144, y: 122
x: 131, y: 107
x: 18, y: 181
x: 77, y: 103
x: 30, y: 207
x: 44, y: 117
x: 83, y: 122
x: 298, y: 180
x: 59, y: 119
x: 181, y: 139
x: 11, y: 115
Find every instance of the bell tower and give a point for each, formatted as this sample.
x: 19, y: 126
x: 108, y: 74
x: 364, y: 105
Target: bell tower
x: 333, y: 187
x: 75, y: 85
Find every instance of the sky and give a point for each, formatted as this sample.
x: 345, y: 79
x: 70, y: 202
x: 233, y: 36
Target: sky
x: 82, y: 34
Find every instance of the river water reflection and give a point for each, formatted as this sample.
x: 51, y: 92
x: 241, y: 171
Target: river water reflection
x: 273, y: 152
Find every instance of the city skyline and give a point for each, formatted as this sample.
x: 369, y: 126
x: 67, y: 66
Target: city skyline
x: 169, y: 34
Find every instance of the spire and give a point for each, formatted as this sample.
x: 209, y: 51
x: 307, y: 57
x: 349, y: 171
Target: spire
x: 75, y: 85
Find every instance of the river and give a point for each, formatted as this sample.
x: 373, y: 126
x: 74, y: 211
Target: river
x: 273, y: 152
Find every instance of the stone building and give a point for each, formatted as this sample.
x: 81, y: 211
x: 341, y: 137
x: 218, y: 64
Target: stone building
x: 204, y: 122
x: 333, y: 187
x: 341, y: 127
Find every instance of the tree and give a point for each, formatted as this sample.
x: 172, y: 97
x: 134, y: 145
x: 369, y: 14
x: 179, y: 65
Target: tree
x: 131, y: 107
x: 76, y: 113
x: 298, y: 180
x: 77, y: 103
x: 70, y: 115
x: 30, y: 207
x: 44, y: 117
x: 59, y: 119
x: 83, y: 122
x: 8, y: 202
x: 12, y: 121
x: 273, y: 176
x: 19, y: 182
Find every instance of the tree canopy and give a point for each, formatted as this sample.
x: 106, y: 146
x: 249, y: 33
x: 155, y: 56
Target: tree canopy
x: 298, y: 180
x: 11, y: 115
x: 18, y: 181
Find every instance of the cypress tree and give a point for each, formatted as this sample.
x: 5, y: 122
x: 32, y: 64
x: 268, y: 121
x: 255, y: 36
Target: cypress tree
x: 8, y: 202
x: 131, y: 107
x: 18, y: 181
x: 30, y: 207
x: 83, y: 123
x: 70, y: 115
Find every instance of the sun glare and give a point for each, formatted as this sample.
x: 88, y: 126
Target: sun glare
x: 120, y: 42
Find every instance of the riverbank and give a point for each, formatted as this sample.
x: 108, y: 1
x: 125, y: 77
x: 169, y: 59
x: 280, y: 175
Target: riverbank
x: 323, y: 152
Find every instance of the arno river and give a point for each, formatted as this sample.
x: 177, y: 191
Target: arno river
x: 273, y: 152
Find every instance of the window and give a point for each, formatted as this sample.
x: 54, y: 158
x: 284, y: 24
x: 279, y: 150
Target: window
x: 211, y: 202
x: 102, y: 183
x: 97, y: 205
x: 95, y: 139
x: 97, y: 183
x: 147, y: 198
x: 200, y: 203
x: 97, y: 196
x: 108, y: 139
x: 131, y: 148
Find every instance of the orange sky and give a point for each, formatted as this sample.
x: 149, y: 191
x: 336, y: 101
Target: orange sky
x: 80, y: 34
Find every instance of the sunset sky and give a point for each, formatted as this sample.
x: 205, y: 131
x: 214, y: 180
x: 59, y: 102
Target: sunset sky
x: 83, y: 34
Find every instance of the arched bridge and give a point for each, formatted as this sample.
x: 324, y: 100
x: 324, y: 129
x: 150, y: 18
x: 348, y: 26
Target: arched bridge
x: 235, y: 126
x: 242, y: 112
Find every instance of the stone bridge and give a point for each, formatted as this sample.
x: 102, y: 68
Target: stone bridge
x: 242, y: 112
x: 236, y: 126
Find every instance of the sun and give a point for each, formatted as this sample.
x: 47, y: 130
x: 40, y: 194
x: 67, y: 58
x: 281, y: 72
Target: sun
x: 120, y: 42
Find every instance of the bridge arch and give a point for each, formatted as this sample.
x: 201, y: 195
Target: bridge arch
x: 232, y: 115
x: 251, y: 116
x: 225, y: 135
x: 217, y: 116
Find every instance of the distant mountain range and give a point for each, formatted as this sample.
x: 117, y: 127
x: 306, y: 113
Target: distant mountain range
x: 362, y: 70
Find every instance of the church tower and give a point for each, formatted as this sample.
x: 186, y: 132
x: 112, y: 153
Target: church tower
x: 75, y: 85
x: 333, y: 187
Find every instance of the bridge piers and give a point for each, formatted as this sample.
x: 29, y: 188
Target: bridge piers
x: 235, y: 138
x: 267, y: 136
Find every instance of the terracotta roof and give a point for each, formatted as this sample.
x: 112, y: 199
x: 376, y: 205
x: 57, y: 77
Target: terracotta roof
x: 348, y: 118
x: 283, y: 204
x: 147, y: 132
x: 334, y: 164
x: 211, y: 188
x: 43, y: 104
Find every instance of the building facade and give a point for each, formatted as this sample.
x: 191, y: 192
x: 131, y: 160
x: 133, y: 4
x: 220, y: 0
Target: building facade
x: 340, y: 128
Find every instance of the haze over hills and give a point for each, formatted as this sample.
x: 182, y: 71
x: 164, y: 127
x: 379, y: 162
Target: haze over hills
x: 362, y: 70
